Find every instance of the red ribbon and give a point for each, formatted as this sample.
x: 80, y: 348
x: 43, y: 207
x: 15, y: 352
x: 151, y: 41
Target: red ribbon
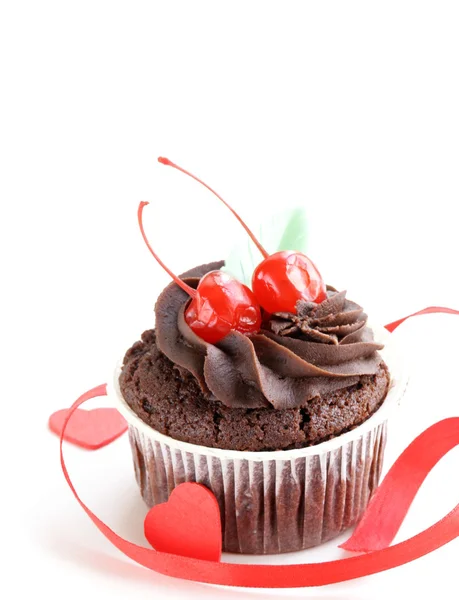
x: 376, y: 530
x: 425, y: 311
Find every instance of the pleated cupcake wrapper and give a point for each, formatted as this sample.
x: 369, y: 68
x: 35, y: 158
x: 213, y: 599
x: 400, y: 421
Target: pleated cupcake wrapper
x: 270, y: 505
x: 278, y: 501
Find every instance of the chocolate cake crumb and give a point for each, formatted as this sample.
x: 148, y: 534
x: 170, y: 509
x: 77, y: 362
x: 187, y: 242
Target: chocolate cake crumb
x: 169, y: 399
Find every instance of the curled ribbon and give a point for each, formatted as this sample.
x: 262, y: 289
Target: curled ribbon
x: 375, y: 531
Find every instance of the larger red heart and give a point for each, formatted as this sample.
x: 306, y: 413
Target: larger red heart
x: 90, y: 429
x: 187, y: 524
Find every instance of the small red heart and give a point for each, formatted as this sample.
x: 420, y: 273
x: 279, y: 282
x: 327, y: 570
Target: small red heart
x: 187, y: 524
x: 90, y: 429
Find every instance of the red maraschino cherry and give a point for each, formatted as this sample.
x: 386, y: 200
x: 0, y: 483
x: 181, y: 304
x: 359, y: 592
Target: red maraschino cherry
x: 281, y: 279
x: 218, y: 305
x: 284, y: 278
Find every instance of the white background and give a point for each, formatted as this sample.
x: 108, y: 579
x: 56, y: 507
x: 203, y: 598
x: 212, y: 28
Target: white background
x: 349, y: 108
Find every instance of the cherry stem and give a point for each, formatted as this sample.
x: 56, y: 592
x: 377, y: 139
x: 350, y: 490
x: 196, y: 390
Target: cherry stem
x: 169, y: 163
x: 185, y: 287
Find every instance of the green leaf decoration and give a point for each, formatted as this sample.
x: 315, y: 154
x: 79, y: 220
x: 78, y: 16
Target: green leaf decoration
x: 281, y: 231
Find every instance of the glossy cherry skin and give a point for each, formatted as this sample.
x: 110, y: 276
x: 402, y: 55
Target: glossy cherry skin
x: 222, y: 304
x: 284, y: 278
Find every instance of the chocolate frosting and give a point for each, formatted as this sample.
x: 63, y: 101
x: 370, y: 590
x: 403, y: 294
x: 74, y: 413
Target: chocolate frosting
x: 267, y: 369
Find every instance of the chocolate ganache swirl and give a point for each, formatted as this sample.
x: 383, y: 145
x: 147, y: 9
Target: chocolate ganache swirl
x: 271, y: 368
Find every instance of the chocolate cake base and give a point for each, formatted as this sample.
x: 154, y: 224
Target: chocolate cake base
x: 170, y: 400
x: 276, y: 503
x: 268, y: 505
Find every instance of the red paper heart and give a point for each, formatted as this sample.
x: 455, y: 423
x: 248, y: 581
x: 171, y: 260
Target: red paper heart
x: 188, y: 524
x: 90, y: 429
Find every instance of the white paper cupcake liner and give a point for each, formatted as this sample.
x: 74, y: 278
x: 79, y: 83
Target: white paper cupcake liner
x: 272, y: 502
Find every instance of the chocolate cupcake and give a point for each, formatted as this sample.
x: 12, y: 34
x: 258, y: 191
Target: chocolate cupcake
x: 282, y: 414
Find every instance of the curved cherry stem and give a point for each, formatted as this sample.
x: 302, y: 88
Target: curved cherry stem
x: 185, y: 287
x: 169, y: 163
